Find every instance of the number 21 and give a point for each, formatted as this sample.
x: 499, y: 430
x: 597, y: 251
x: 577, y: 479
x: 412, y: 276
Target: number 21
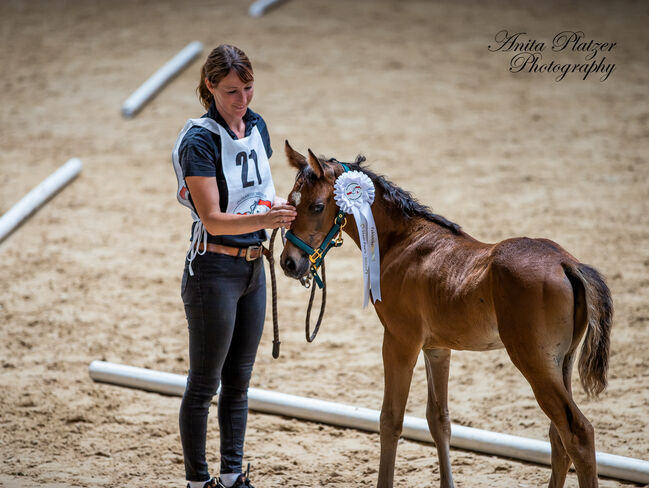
x: 242, y: 160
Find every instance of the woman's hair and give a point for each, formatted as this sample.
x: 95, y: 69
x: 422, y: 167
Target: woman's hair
x: 218, y: 65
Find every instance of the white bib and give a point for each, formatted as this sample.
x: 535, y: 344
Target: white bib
x: 247, y: 175
x: 245, y: 166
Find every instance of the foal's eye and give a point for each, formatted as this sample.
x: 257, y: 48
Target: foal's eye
x: 317, y: 208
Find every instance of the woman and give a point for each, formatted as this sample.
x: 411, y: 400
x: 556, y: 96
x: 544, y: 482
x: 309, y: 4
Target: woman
x: 221, y: 163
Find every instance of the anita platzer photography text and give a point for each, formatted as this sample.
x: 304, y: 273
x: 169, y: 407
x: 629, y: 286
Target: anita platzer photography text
x: 528, y: 54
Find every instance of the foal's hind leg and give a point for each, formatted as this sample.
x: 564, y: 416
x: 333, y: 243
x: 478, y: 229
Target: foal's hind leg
x: 437, y: 366
x: 540, y: 323
x: 575, y: 433
x: 560, y: 460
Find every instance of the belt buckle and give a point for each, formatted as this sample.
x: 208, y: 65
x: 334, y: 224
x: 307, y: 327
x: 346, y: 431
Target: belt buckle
x: 252, y: 248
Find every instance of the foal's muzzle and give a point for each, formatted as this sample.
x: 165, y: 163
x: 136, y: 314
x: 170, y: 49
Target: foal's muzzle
x: 295, y: 268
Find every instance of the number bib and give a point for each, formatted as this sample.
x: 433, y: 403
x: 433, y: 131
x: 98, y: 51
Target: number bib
x: 245, y: 167
x: 247, y: 173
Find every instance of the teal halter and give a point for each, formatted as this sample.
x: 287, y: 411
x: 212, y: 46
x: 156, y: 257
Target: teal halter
x: 333, y: 239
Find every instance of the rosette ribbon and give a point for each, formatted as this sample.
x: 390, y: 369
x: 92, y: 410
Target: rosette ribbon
x: 354, y: 194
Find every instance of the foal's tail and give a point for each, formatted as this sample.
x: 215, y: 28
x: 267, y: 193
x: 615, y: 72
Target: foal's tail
x: 593, y: 360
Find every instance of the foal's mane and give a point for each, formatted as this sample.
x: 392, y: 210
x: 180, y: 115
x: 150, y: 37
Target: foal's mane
x: 394, y: 195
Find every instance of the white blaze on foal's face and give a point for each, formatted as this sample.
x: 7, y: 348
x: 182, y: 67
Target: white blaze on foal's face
x: 295, y: 198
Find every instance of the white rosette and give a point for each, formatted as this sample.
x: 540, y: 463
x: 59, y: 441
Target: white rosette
x: 354, y: 194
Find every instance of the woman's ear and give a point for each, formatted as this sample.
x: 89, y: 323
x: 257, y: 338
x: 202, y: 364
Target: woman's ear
x: 209, y: 86
x: 295, y: 159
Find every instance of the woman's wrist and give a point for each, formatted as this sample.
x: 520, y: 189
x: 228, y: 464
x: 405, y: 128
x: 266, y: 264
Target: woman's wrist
x: 229, y: 224
x: 259, y: 220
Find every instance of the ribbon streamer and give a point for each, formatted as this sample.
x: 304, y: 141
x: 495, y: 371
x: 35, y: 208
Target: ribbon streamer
x: 354, y: 193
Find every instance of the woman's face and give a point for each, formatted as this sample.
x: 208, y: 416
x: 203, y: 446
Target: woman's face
x: 232, y: 95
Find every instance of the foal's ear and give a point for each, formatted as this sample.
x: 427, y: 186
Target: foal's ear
x: 295, y: 159
x: 316, y: 165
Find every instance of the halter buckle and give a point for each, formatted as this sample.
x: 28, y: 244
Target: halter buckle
x: 315, y: 255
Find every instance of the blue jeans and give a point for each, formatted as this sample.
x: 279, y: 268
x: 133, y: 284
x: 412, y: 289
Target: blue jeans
x: 225, y: 304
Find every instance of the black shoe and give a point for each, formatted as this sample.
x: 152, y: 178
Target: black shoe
x: 242, y: 481
x: 213, y: 483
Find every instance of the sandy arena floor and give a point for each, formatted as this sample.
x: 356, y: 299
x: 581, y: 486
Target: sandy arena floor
x: 411, y: 85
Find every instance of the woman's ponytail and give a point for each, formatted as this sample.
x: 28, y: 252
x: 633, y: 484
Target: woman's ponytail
x: 204, y: 95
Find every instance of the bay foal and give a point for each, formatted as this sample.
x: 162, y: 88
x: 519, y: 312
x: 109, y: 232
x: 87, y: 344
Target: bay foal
x: 444, y: 290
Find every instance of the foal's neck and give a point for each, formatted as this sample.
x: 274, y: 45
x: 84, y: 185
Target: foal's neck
x: 392, y: 226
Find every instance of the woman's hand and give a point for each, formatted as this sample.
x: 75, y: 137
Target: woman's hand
x: 280, y: 215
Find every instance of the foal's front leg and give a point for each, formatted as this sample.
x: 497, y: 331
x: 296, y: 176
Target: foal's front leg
x: 399, y: 359
x: 439, y: 423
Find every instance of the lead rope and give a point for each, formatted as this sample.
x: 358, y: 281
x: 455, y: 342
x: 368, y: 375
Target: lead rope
x: 309, y: 337
x: 271, y: 264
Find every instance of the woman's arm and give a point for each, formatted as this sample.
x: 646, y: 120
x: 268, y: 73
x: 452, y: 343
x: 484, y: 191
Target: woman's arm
x: 205, y: 195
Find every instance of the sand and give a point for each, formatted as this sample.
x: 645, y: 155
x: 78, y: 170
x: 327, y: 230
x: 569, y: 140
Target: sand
x: 95, y: 274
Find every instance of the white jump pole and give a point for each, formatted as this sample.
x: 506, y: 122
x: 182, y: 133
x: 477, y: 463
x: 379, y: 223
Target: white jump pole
x: 36, y: 198
x: 160, y: 78
x: 462, y: 437
x: 260, y: 7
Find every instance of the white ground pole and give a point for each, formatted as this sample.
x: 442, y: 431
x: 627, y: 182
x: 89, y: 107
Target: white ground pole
x: 36, y: 198
x: 160, y: 78
x: 510, y: 446
x: 260, y: 7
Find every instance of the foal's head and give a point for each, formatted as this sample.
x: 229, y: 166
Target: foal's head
x: 313, y: 198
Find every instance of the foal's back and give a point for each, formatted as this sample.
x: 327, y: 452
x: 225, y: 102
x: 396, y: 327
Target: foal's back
x: 448, y: 290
